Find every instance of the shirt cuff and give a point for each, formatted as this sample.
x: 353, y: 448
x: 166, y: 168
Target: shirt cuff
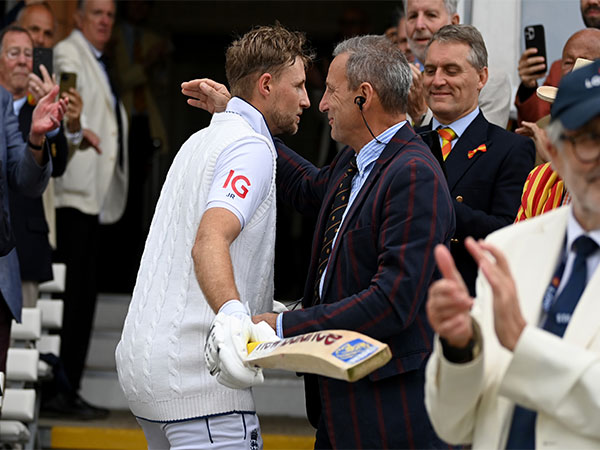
x: 53, y: 133
x: 279, y: 326
x: 523, y: 93
x: 74, y: 138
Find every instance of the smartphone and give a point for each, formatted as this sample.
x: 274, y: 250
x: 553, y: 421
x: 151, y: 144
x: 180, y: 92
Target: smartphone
x: 535, y: 38
x: 42, y: 56
x: 67, y: 80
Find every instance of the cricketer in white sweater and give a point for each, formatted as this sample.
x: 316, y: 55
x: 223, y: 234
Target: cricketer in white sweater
x: 160, y: 360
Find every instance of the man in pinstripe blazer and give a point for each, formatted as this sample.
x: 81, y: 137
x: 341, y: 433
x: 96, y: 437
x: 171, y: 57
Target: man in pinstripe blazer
x: 380, y: 264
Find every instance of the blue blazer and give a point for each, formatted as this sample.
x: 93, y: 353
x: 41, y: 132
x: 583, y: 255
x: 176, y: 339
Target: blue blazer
x: 486, y: 188
x: 23, y: 174
x: 377, y: 281
x: 27, y: 214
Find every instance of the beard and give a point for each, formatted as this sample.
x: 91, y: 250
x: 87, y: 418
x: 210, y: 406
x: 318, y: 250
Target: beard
x: 285, y: 123
x: 591, y: 22
x: 417, y: 49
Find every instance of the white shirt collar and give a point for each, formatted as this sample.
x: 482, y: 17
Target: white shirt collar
x: 574, y: 230
x: 18, y: 104
x: 250, y: 114
x: 97, y: 53
x: 459, y: 126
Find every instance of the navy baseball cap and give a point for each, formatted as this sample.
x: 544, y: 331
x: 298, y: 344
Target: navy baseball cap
x: 578, y: 98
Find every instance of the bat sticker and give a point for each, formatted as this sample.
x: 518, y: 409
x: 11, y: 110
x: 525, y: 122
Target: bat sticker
x: 354, y: 351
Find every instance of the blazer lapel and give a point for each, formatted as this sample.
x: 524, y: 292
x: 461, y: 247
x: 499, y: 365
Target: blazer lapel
x: 101, y: 77
x: 584, y: 324
x: 545, y: 242
x: 404, y: 135
x: 458, y: 162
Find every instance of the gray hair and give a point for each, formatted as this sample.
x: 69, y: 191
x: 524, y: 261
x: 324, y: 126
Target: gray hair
x: 13, y: 29
x: 375, y: 60
x: 450, y: 5
x: 465, y: 34
x: 555, y: 130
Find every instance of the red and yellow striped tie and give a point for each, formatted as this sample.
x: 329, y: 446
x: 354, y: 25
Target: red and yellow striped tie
x: 448, y: 135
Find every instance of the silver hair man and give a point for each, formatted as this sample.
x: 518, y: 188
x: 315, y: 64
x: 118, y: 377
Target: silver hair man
x: 375, y: 60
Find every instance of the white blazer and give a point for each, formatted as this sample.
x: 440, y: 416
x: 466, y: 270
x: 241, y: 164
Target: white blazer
x: 93, y: 183
x: 558, y: 378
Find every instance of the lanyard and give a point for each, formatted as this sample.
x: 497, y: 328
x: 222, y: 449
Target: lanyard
x: 548, y: 302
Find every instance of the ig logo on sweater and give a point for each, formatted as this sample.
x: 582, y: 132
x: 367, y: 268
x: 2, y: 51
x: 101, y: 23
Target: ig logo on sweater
x: 239, y: 184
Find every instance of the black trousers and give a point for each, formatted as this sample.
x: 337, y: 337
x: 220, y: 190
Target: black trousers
x: 77, y: 247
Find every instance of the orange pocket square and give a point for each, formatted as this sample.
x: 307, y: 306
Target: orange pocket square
x: 481, y: 148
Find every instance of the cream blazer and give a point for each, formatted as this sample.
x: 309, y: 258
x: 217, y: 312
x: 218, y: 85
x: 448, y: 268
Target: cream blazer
x: 93, y: 183
x: 559, y: 378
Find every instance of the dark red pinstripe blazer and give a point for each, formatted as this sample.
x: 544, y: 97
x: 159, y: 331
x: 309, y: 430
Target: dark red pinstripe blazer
x: 377, y: 281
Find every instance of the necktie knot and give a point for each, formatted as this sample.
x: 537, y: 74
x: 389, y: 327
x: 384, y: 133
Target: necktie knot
x: 103, y: 59
x: 584, y: 246
x: 448, y: 135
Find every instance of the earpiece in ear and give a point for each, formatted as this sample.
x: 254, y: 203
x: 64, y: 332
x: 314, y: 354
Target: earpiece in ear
x: 360, y: 101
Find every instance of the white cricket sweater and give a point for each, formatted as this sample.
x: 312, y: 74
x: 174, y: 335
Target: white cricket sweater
x: 160, y: 358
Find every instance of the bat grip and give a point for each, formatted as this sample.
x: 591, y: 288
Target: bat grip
x: 251, y: 346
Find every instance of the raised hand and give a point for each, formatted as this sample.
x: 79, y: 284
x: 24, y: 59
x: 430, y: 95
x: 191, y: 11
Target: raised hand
x: 416, y: 96
x: 539, y: 136
x: 206, y: 94
x: 48, y: 114
x: 38, y: 87
x: 73, y: 113
x: 449, y: 303
x: 531, y: 67
x: 508, y: 320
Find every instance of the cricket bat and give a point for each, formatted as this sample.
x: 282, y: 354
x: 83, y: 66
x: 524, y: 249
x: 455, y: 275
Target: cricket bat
x: 342, y: 354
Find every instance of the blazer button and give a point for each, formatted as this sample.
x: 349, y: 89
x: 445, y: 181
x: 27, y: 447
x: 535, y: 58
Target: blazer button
x: 459, y: 198
x: 454, y: 241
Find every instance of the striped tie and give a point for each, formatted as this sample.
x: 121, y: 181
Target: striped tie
x: 340, y: 202
x: 448, y: 135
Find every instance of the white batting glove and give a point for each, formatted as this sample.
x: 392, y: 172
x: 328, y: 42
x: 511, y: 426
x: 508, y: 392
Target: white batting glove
x: 225, y: 352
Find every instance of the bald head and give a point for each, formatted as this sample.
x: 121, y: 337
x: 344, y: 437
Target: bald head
x: 38, y: 19
x: 583, y: 44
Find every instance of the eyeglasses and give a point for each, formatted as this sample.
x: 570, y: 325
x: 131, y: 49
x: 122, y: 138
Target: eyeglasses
x: 14, y: 53
x: 586, y: 146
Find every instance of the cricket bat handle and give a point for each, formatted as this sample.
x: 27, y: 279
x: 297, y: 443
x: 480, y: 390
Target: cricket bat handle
x: 251, y: 346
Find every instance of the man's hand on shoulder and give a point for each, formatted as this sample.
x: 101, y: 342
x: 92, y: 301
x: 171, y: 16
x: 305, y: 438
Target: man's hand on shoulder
x: 206, y: 94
